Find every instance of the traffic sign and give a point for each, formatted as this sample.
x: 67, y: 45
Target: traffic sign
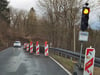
x: 89, y: 61
x: 83, y: 36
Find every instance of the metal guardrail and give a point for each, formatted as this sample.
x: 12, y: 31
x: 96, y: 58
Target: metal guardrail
x: 74, y: 55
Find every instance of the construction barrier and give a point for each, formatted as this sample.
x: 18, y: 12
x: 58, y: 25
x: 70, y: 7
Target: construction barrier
x: 37, y: 48
x: 89, y: 61
x: 46, y: 49
x: 31, y: 47
x: 25, y: 45
x: 27, y: 49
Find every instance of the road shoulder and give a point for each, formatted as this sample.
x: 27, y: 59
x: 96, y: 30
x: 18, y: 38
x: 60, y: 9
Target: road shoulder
x: 60, y: 65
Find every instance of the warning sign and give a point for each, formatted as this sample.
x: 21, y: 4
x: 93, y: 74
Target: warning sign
x: 89, y: 61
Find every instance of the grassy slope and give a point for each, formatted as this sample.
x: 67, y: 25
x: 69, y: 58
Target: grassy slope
x: 68, y: 64
x: 65, y: 62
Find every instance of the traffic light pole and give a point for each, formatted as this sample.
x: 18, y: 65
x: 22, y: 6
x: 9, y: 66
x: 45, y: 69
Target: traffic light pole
x: 81, y: 54
x: 74, y: 39
x: 84, y: 26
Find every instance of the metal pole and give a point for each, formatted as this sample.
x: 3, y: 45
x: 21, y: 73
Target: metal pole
x: 74, y: 39
x: 81, y: 54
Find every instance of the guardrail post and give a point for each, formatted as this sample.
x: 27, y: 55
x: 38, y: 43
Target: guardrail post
x: 71, y: 58
x: 54, y: 52
x: 65, y: 56
x: 61, y: 54
x: 74, y: 73
x: 57, y: 53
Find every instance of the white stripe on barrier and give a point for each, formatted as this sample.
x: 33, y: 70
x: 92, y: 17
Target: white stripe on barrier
x: 31, y: 48
x: 27, y: 47
x: 37, y: 51
x: 46, y: 47
x: 46, y: 50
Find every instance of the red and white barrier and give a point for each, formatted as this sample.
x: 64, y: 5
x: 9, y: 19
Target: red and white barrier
x: 25, y: 45
x: 37, y: 48
x: 46, y: 49
x: 89, y: 61
x: 27, y: 49
x: 31, y: 47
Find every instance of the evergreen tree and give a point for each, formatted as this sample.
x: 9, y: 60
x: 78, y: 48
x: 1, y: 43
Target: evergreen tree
x: 32, y: 21
x: 3, y: 5
x: 4, y: 11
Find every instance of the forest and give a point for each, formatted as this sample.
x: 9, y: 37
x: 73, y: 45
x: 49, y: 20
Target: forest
x: 59, y: 25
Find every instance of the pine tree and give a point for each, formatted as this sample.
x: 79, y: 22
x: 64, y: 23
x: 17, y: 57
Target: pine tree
x: 32, y: 21
x: 4, y: 11
x: 3, y: 5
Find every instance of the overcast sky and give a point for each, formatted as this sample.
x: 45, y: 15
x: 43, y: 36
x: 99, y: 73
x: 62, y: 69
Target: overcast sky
x: 23, y: 4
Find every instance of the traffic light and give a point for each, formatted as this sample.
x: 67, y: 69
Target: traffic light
x: 85, y: 18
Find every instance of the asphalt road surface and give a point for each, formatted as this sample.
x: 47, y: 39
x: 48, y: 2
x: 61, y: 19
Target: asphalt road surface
x: 15, y: 61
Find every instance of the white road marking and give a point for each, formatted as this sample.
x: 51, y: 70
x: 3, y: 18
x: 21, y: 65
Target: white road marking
x: 61, y: 66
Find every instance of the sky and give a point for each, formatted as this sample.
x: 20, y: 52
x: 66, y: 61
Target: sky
x: 23, y: 4
x: 94, y: 16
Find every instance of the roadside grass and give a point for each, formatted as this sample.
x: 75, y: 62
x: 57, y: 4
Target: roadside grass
x: 68, y: 64
x: 96, y: 71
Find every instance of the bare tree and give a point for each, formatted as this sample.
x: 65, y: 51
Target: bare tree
x: 62, y: 16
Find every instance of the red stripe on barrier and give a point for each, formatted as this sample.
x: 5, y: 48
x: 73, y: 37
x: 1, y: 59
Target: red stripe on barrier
x: 37, y: 49
x: 47, y: 54
x: 46, y: 50
x: 89, y: 51
x: 37, y: 43
x: 37, y: 52
x: 90, y: 73
x: 31, y: 48
x: 45, y: 45
x: 89, y: 64
x: 31, y: 52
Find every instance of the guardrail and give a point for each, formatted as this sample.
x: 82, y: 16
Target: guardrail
x: 75, y: 55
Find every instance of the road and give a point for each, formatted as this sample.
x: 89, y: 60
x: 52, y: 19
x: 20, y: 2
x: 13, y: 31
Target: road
x: 15, y: 61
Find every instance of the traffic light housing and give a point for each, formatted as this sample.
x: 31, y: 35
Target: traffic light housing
x: 85, y: 18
